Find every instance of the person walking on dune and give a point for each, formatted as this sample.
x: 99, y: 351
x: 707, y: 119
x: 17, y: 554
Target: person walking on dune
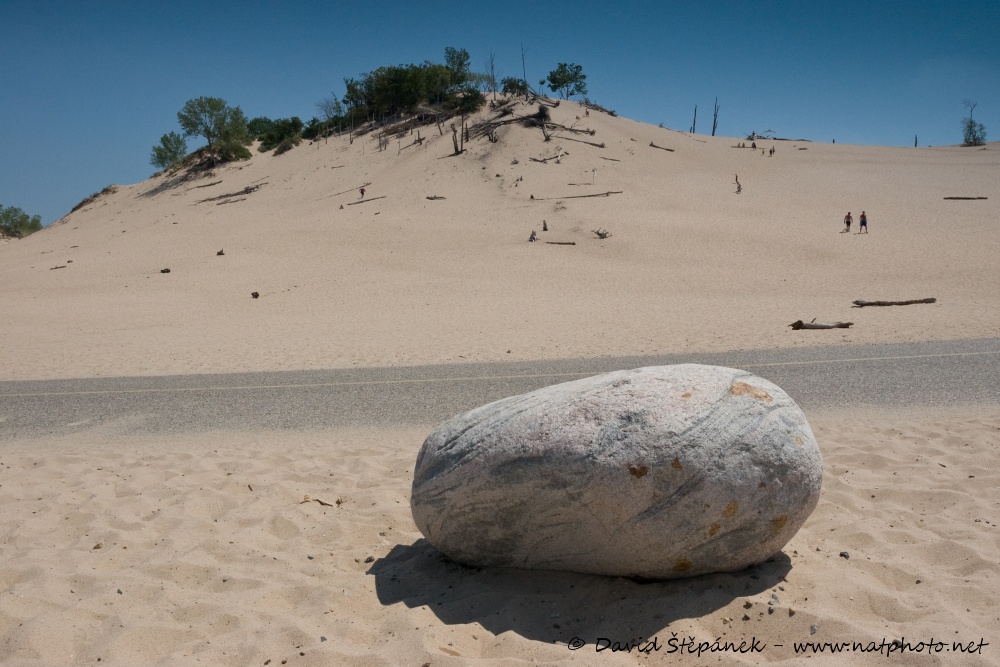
x: 847, y: 222
x: 862, y: 223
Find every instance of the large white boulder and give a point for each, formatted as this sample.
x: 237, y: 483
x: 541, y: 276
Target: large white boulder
x: 659, y: 472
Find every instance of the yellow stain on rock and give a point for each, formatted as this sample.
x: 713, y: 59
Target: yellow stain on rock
x: 676, y: 464
x: 713, y: 529
x: 731, y: 509
x: 683, y: 565
x: 638, y: 471
x: 779, y: 523
x: 743, y: 389
x: 798, y: 440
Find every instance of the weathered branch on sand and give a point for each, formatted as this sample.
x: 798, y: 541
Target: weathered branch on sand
x: 799, y: 324
x: 365, y: 201
x: 230, y: 201
x: 557, y: 126
x: 484, y: 128
x: 561, y: 242
x: 599, y: 194
x: 434, y: 197
x: 581, y: 141
x: 661, y: 147
x: 861, y: 303
x: 546, y: 159
x: 208, y: 185
x: 344, y: 192
x: 967, y: 198
x: 601, y: 233
x: 610, y: 159
x: 250, y: 189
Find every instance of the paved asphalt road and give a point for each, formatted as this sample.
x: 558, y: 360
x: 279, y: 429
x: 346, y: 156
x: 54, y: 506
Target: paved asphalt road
x: 944, y: 373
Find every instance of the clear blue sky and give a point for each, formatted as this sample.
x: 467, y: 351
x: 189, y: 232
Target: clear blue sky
x: 89, y: 87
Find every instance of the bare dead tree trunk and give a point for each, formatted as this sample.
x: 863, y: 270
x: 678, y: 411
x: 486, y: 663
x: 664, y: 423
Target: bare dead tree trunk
x: 454, y: 138
x: 715, y: 116
x: 524, y: 73
x: 694, y: 123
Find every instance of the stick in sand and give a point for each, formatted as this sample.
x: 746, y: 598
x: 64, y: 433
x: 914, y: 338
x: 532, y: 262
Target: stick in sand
x: 860, y: 303
x: 362, y: 201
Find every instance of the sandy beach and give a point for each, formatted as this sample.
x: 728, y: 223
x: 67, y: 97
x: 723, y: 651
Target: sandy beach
x: 297, y: 546
x: 201, y: 550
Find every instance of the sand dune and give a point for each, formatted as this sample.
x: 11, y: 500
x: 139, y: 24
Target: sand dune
x: 298, y: 548
x: 691, y: 266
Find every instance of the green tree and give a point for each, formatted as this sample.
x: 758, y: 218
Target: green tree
x: 469, y: 101
x: 259, y: 126
x: 568, y: 80
x: 480, y: 81
x: 283, y: 130
x: 234, y: 138
x: 973, y: 133
x: 15, y: 222
x: 457, y: 60
x: 514, y: 86
x: 223, y: 127
x: 171, y: 149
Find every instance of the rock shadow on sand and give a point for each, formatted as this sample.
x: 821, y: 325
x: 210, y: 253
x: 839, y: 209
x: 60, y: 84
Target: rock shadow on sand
x: 555, y: 607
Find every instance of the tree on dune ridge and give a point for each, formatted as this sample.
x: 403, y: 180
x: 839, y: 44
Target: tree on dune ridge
x: 973, y: 134
x: 171, y: 149
x: 223, y: 127
x: 568, y: 80
x: 15, y: 222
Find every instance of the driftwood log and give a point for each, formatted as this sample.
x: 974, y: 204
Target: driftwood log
x: 799, y: 324
x: 861, y: 304
x: 661, y: 147
x: 599, y: 194
x: 561, y: 242
x: 610, y: 159
x: 966, y: 198
x: 434, y: 197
